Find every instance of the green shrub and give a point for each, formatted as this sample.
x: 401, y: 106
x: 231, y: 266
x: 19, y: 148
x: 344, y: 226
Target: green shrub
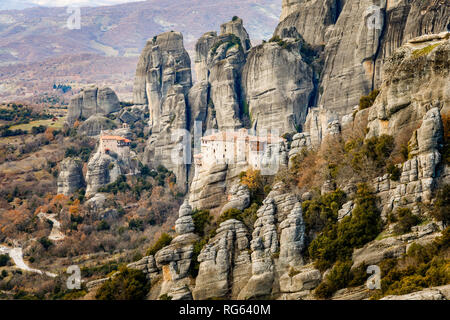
x: 230, y: 214
x: 424, y: 51
x: 201, y: 218
x: 163, y: 241
x: 136, y: 224
x: 394, y: 172
x: 405, y: 220
x: 337, y: 241
x: 120, y: 185
x: 367, y: 101
x: 441, y: 209
x: 165, y: 297
x: 323, y: 210
x: 4, y: 259
x: 377, y: 149
x: 45, y: 242
x: 423, y: 267
x: 128, y: 284
x: 103, y: 225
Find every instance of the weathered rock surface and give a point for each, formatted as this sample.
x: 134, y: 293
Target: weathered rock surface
x: 166, y: 144
x: 435, y: 293
x: 175, y: 259
x: 224, y: 263
x: 225, y: 69
x: 358, y: 37
x: 319, y: 123
x: 147, y: 265
x: 300, y: 141
x: 377, y: 251
x: 292, y: 238
x: 185, y: 224
x: 278, y: 85
x: 264, y: 245
x: 163, y: 63
x: 91, y: 101
x: 163, y: 79
x: 103, y: 169
x: 302, y: 280
x: 239, y: 198
x: 202, y: 48
x: 310, y: 18
x: 70, y: 177
x: 94, y: 125
x: 236, y: 27
x: 209, y: 186
x: 411, y: 98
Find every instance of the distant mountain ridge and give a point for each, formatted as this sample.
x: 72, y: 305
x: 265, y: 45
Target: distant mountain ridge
x: 38, y: 33
x: 32, y: 40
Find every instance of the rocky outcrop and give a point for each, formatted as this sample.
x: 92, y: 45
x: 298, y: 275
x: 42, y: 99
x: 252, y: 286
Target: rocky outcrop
x: 202, y: 48
x: 264, y: 245
x: 216, y: 98
x: 278, y: 85
x: 379, y: 250
x: 163, y: 63
x: 131, y: 115
x: 168, y: 144
x: 147, y: 265
x: 225, y: 65
x: 414, y: 95
x: 292, y: 238
x: 239, y: 198
x: 300, y: 141
x: 320, y: 123
x: 102, y: 169
x: 224, y: 263
x: 94, y: 125
x: 358, y: 38
x: 236, y: 27
x: 92, y: 101
x: 435, y: 293
x: 299, y: 282
x: 175, y: 260
x: 163, y: 79
x: 209, y: 186
x: 310, y: 18
x: 70, y: 177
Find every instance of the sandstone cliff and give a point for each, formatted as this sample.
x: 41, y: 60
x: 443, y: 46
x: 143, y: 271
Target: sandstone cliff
x: 358, y: 36
x: 70, y: 177
x: 163, y: 79
x: 92, y: 101
x: 278, y: 85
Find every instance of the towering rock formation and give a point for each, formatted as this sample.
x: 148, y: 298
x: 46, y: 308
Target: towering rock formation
x: 310, y: 18
x: 175, y: 260
x: 264, y: 245
x: 414, y: 95
x: 163, y: 79
x: 70, y: 177
x: 224, y: 263
x: 104, y: 167
x: 216, y: 98
x: 358, y: 36
x: 92, y: 101
x: 236, y: 27
x: 278, y: 85
x: 225, y: 64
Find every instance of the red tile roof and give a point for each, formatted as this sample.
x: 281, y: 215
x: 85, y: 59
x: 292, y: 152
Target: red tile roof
x: 117, y: 138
